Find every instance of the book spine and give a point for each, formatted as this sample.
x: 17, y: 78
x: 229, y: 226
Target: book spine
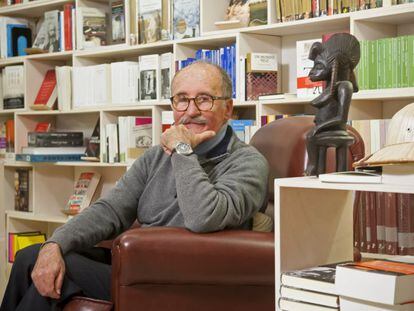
x: 391, y: 236
x: 48, y: 157
x: 67, y: 11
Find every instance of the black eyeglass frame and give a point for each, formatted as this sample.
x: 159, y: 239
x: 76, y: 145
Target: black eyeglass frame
x: 213, y: 98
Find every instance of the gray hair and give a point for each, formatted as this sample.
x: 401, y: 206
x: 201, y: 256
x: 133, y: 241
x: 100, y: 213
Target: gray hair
x: 226, y: 84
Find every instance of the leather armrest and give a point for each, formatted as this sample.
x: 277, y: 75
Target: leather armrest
x: 176, y: 255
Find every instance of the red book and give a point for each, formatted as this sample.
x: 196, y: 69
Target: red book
x: 43, y: 127
x: 47, y: 95
x: 67, y: 15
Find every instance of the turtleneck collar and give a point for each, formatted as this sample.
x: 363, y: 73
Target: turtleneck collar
x: 206, y: 146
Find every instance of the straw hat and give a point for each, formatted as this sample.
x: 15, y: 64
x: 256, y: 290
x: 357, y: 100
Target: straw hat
x: 400, y: 141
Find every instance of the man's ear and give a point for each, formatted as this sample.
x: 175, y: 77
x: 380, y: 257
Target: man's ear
x: 228, y: 109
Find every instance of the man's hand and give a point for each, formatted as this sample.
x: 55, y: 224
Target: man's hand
x: 179, y: 133
x: 49, y: 271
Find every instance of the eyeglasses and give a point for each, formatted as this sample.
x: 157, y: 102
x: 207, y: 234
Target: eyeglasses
x: 202, y: 102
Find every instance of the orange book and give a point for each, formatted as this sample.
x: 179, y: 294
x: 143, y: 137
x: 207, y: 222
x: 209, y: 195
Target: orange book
x: 47, y: 95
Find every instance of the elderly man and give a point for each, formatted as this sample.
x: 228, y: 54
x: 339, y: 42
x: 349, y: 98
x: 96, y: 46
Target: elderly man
x: 201, y: 178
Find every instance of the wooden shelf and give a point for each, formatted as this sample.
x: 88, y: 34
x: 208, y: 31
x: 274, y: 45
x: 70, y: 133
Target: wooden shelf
x: 11, y: 61
x: 33, y: 9
x: 37, y: 217
x: 313, y: 182
x: 394, y: 15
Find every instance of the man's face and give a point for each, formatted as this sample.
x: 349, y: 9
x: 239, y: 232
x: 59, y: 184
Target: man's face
x: 201, y: 80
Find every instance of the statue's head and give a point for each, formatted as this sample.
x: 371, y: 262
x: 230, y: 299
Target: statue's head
x: 340, y: 53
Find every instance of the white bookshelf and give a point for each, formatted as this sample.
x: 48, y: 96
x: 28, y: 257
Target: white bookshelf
x: 52, y: 183
x: 314, y: 222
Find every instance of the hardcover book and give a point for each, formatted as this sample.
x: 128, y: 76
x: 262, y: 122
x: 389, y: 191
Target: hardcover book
x: 83, y: 192
x: 55, y: 139
x: 186, y: 18
x: 47, y: 94
x: 261, y: 75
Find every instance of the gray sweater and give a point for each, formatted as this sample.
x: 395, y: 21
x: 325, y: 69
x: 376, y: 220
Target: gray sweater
x: 221, y: 189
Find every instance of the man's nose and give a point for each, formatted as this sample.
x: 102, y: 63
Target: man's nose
x: 192, y: 109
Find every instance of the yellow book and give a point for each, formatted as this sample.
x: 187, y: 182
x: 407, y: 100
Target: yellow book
x: 27, y: 240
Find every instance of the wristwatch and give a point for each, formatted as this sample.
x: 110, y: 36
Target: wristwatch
x: 183, y: 148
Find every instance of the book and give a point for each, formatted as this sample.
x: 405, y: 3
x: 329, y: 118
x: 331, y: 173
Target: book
x: 47, y: 95
x: 258, y: 12
x: 305, y: 87
x: 64, y: 87
x: 21, y: 188
x: 125, y: 83
x: 93, y: 146
x: 149, y: 75
x: 149, y: 20
x: 167, y: 119
x: 320, y: 279
x: 352, y: 177
x: 277, y: 96
x: 293, y: 305
x: 13, y: 87
x: 237, y: 15
x: 55, y: 139
x: 48, y: 157
x: 21, y: 38
x: 186, y: 18
x: 118, y: 21
x: 351, y: 304
x: 261, y: 75
x: 379, y: 281
x: 53, y: 150
x: 83, y: 192
x: 309, y: 296
x: 9, y: 125
x: 166, y: 74
x: 52, y: 31
x: 91, y: 28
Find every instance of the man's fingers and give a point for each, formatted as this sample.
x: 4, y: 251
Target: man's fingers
x: 59, y: 281
x: 204, y: 136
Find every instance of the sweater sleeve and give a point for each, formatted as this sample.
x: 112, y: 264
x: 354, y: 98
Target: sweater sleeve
x: 234, y: 196
x: 107, y: 217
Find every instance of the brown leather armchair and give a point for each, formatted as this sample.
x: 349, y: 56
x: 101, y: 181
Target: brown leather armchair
x: 174, y: 269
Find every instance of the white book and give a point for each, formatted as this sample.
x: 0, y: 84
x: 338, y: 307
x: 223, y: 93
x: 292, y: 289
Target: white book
x: 101, y: 77
x: 149, y: 77
x: 64, y: 87
x: 353, y: 177
x: 242, y: 79
x: 167, y: 118
x: 305, y: 88
x: 13, y: 86
x: 123, y: 133
x: 166, y: 74
x: 62, y: 31
x: 52, y: 33
x: 378, y: 281
x: 309, y: 296
x: 292, y: 305
x: 124, y: 83
x: 139, y: 137
x: 53, y: 150
x: 82, y: 86
x: 351, y: 304
x: 112, y: 142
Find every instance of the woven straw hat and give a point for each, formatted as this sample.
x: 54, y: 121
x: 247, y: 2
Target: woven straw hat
x: 400, y: 141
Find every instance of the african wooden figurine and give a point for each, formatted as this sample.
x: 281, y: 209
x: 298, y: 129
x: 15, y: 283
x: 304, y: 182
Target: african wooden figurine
x: 334, y: 62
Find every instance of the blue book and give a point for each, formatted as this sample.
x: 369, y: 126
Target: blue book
x: 9, y: 37
x: 238, y: 127
x: 48, y: 157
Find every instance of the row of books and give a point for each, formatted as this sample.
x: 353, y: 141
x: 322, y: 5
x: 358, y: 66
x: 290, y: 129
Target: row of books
x: 224, y: 57
x: 244, y: 129
x: 386, y: 63
x: 122, y: 83
x: 384, y: 223
x: 287, y: 10
x: 126, y: 140
x: 350, y: 286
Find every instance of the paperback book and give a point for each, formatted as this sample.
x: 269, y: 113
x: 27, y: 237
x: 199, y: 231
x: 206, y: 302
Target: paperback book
x: 186, y: 18
x: 149, y: 20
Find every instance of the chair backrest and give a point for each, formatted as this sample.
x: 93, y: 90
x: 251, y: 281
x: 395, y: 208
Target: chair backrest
x: 283, y: 143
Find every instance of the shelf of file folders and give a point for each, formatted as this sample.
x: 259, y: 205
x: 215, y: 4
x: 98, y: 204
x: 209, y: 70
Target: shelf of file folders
x: 368, y: 285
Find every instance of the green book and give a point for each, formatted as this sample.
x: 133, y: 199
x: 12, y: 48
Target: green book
x: 410, y: 64
x: 388, y: 63
x: 394, y: 58
x: 373, y: 66
x: 381, y: 63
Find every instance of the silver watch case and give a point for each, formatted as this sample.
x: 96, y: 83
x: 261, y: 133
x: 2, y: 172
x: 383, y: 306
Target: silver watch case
x: 183, y: 148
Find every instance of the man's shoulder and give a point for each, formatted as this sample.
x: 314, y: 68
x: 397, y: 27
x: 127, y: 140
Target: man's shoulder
x: 240, y: 149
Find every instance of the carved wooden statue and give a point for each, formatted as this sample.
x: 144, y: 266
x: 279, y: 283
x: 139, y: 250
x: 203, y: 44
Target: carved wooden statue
x: 334, y: 62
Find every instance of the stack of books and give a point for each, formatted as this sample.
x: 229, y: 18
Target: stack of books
x: 309, y: 289
x: 375, y: 285
x: 52, y: 147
